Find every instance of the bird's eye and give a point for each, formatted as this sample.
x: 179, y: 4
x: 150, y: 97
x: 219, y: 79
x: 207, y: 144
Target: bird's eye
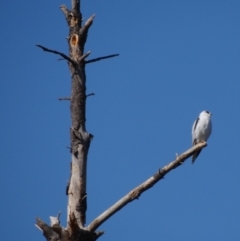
x: 207, y: 111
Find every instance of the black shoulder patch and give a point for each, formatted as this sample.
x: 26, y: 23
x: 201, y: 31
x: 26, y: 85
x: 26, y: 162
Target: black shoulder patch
x: 197, y: 120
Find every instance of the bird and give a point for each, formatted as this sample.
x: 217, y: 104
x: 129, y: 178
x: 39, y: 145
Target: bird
x: 201, y: 130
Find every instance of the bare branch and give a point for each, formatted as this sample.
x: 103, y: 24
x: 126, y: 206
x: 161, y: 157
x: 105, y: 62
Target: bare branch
x: 90, y: 94
x: 56, y: 52
x: 65, y: 98
x: 84, y: 56
x: 47, y: 231
x: 100, y: 58
x: 136, y: 192
x: 84, y: 29
x: 65, y: 11
x: 89, y: 21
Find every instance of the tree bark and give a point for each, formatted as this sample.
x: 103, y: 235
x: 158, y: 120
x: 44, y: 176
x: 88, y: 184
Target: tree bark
x: 80, y: 138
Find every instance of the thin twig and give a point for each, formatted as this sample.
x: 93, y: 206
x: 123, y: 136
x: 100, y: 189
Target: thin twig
x: 65, y: 98
x: 84, y: 56
x: 100, y: 58
x: 136, y: 192
x: 90, y: 94
x: 56, y: 52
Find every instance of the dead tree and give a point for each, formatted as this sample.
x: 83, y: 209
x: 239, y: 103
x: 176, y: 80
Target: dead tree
x: 80, y: 143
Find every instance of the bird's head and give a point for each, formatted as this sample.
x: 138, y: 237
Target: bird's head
x: 205, y: 113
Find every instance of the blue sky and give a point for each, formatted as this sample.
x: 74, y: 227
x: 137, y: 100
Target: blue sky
x: 177, y: 58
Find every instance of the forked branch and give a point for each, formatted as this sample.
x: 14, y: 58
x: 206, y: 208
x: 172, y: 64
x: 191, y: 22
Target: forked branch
x: 47, y: 230
x: 136, y: 192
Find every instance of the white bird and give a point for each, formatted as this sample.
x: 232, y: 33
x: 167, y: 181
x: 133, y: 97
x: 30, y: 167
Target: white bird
x: 201, y: 130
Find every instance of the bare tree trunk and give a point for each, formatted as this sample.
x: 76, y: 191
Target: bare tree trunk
x: 80, y: 143
x: 80, y: 138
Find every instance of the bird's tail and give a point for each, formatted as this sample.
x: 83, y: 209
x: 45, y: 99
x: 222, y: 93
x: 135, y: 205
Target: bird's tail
x: 195, y: 155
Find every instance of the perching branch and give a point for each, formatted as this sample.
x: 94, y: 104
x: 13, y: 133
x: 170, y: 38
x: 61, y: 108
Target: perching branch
x: 136, y: 192
x: 56, y: 52
x: 100, y: 58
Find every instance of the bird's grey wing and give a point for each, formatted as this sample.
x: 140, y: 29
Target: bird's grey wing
x: 194, y: 131
x: 194, y: 139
